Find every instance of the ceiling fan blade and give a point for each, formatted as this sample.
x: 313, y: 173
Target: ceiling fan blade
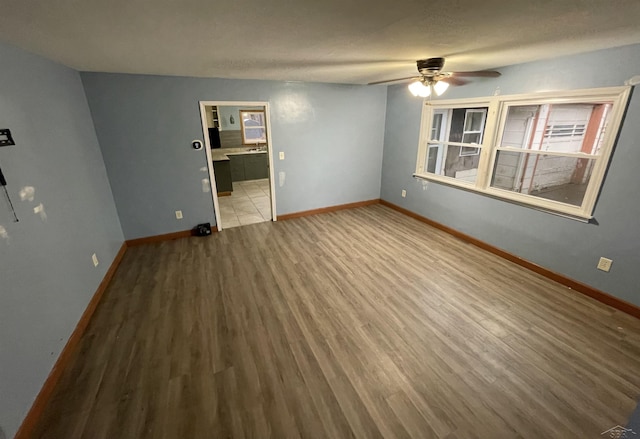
x: 478, y: 74
x: 454, y: 81
x: 394, y: 80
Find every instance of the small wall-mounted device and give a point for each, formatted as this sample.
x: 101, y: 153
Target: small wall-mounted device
x: 197, y: 144
x: 7, y: 140
x: 5, y: 137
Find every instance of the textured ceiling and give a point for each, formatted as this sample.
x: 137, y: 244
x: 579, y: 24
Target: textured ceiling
x: 323, y: 40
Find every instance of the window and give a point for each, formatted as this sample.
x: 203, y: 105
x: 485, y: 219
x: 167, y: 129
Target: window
x: 474, y: 121
x: 545, y: 150
x: 454, y: 145
x: 253, y: 129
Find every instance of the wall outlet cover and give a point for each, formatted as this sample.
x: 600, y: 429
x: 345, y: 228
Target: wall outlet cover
x: 178, y: 214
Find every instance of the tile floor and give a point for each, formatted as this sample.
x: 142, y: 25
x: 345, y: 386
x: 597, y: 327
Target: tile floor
x: 249, y: 203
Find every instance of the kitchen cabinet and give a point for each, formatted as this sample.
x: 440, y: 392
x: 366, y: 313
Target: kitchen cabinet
x: 249, y: 166
x: 237, y: 167
x: 222, y: 171
x: 256, y: 166
x: 215, y: 118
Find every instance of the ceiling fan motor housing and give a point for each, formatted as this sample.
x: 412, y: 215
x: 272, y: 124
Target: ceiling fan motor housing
x: 430, y: 66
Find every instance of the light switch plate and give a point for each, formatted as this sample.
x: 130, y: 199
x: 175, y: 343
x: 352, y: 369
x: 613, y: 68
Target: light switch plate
x: 604, y: 264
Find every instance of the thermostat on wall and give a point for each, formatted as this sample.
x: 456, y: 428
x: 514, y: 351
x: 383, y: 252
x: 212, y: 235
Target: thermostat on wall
x: 5, y: 137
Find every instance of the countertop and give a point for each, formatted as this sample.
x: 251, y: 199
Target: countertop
x: 222, y: 154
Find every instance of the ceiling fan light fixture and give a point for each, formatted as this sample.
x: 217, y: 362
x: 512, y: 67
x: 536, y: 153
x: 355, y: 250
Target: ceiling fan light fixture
x: 440, y: 87
x: 418, y: 88
x: 433, y: 78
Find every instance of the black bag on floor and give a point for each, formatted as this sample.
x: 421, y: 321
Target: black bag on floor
x: 203, y: 229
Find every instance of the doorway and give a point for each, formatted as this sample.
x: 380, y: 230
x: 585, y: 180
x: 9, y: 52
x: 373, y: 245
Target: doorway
x: 239, y: 151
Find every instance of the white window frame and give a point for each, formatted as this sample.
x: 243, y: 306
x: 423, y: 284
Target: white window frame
x: 498, y: 108
x: 439, y: 142
x: 244, y: 128
x: 481, y: 131
x: 425, y: 132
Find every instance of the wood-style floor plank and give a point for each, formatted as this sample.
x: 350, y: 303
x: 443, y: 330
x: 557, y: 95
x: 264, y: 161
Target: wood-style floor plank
x: 354, y: 324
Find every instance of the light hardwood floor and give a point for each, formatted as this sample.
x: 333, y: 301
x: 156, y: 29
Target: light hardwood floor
x: 360, y: 323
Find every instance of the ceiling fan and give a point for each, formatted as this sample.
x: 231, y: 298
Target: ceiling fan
x: 433, y: 79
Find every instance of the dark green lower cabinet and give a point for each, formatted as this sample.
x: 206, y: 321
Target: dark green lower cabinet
x: 256, y: 166
x: 223, y: 176
x: 237, y: 167
x: 249, y: 166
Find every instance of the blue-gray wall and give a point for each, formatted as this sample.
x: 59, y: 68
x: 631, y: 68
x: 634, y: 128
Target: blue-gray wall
x: 331, y: 135
x: 46, y: 274
x: 563, y: 245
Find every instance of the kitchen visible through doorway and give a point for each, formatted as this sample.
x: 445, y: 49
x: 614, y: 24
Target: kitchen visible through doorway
x: 240, y: 159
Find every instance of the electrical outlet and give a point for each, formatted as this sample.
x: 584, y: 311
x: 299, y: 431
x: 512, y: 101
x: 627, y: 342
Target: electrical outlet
x: 404, y: 193
x: 178, y: 214
x: 604, y: 264
x: 281, y: 155
x: 94, y: 258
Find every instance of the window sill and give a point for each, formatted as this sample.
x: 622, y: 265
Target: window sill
x: 495, y: 193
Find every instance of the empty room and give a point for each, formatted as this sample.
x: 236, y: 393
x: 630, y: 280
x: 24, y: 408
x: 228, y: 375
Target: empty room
x: 319, y: 220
